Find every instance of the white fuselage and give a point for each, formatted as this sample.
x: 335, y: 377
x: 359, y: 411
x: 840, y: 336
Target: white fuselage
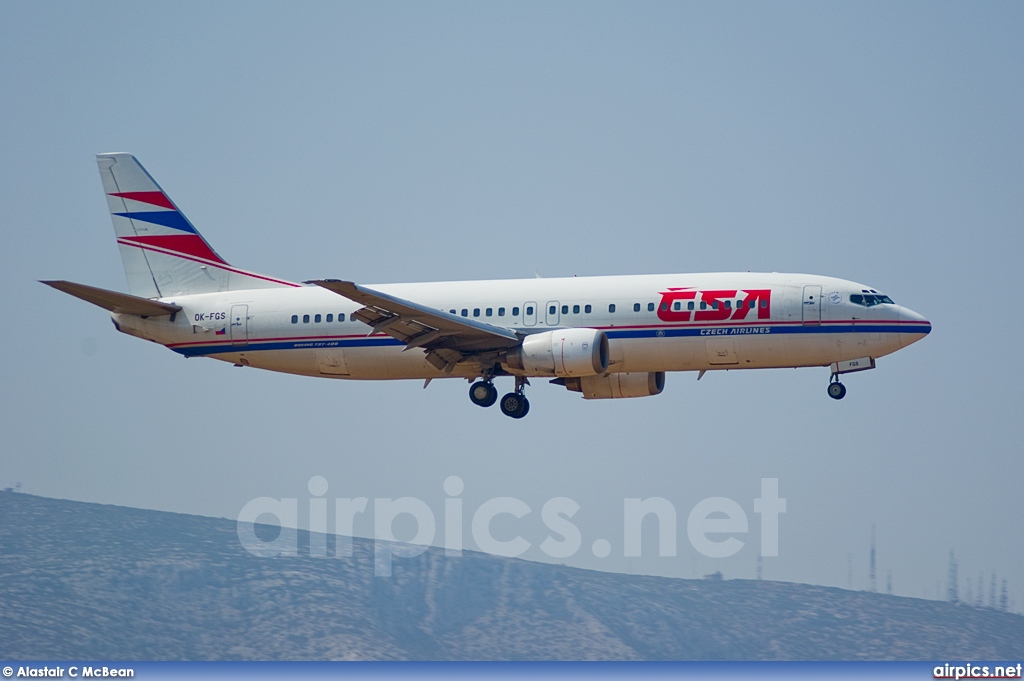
x: 677, y: 322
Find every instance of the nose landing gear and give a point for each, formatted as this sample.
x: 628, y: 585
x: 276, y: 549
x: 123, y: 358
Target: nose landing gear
x: 836, y: 390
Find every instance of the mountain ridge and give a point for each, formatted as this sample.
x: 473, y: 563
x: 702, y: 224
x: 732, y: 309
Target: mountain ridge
x: 82, y: 580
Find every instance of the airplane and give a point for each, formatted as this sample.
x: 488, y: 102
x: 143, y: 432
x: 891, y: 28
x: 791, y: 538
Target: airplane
x: 606, y: 337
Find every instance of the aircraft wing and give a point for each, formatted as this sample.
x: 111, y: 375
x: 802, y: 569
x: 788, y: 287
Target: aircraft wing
x: 121, y: 303
x: 447, y: 338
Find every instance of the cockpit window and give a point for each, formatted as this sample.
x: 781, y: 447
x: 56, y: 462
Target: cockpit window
x: 870, y: 299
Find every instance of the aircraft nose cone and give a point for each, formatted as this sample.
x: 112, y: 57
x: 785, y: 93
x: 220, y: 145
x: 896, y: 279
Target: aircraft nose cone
x: 913, y: 327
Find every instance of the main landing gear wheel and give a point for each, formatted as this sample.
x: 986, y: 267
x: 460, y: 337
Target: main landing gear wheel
x: 515, y: 405
x: 836, y: 390
x: 483, y: 393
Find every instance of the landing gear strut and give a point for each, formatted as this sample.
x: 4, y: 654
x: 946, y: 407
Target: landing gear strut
x: 836, y: 390
x: 515, y: 404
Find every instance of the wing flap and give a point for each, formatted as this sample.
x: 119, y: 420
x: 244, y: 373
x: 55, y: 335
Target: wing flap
x: 419, y: 326
x: 121, y: 303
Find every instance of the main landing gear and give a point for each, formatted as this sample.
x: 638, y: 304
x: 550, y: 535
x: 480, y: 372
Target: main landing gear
x: 483, y: 393
x: 836, y: 390
x: 514, y: 404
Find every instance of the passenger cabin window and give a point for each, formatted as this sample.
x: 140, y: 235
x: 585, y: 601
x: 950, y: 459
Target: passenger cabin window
x: 552, y: 309
x: 611, y: 308
x: 489, y: 312
x: 689, y: 305
x: 295, y: 319
x: 650, y: 307
x: 515, y: 311
x: 316, y: 319
x: 664, y: 307
x: 476, y: 311
x: 587, y: 309
x: 341, y: 317
x: 529, y: 309
x: 636, y: 307
x: 465, y: 312
x: 329, y: 319
x: 677, y: 306
x: 305, y: 319
x: 575, y: 309
x: 451, y: 311
x: 501, y: 312
x: 565, y: 309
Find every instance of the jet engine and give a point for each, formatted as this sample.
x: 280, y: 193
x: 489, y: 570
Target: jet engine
x: 563, y: 353
x: 614, y: 386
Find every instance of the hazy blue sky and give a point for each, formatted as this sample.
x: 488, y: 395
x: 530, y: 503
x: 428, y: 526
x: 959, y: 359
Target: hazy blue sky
x: 880, y: 142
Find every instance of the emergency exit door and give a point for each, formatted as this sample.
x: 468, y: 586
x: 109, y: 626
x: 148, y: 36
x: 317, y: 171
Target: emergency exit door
x: 812, y: 306
x: 239, y: 324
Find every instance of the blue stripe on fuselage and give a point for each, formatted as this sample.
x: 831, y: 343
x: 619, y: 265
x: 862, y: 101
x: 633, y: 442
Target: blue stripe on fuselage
x: 253, y: 345
x: 762, y: 330
x: 613, y: 333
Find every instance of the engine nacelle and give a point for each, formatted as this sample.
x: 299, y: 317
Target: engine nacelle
x: 614, y: 386
x: 562, y: 353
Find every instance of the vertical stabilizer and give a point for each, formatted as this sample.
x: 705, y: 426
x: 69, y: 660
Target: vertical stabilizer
x: 163, y: 254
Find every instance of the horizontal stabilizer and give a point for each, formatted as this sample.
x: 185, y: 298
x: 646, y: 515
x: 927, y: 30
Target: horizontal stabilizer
x: 122, y: 303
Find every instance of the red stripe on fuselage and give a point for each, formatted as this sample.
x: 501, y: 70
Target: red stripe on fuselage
x: 600, y: 328
x: 283, y: 338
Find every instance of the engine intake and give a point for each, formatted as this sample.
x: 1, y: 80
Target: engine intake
x: 615, y: 386
x: 564, y: 353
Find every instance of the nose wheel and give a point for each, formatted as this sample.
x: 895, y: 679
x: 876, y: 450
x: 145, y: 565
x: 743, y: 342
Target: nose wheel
x: 836, y: 390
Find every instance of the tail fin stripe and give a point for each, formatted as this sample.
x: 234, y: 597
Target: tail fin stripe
x: 186, y: 244
x: 164, y: 218
x: 125, y: 241
x: 153, y: 198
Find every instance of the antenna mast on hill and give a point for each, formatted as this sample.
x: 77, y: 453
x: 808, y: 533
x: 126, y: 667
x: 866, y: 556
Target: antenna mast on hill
x: 953, y: 587
x: 874, y: 581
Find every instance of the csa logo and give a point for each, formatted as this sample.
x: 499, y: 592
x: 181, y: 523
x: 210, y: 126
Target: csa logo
x: 715, y: 306
x: 835, y: 297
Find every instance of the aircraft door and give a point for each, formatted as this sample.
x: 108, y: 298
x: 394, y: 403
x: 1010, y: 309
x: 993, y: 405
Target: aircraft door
x: 812, y: 306
x: 239, y: 323
x: 530, y: 313
x: 551, y: 313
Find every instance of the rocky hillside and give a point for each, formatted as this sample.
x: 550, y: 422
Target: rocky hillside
x: 87, y: 581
